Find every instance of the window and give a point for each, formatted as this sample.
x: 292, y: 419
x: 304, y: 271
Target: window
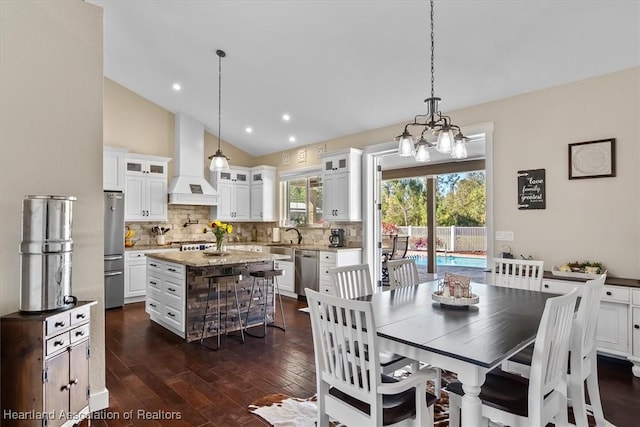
x: 302, y: 200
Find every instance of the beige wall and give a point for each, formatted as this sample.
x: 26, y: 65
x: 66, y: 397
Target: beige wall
x: 50, y: 135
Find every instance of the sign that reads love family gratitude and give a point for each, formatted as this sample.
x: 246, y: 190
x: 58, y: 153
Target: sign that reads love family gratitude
x: 531, y: 190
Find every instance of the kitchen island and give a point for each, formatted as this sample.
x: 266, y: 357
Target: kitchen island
x: 178, y: 290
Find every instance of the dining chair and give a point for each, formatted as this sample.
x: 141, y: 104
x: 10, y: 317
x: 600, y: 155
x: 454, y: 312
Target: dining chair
x: 353, y: 281
x: 517, y: 273
x: 351, y: 387
x: 399, y: 249
x: 583, y: 361
x: 402, y: 272
x: 517, y: 401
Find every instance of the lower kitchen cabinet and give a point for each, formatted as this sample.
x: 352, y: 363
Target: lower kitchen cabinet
x: 166, y: 294
x: 45, y: 367
x: 635, y: 331
x: 135, y: 273
x: 286, y: 282
x: 332, y: 259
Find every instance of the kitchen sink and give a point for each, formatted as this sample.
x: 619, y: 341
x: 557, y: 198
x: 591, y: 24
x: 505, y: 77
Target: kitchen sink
x: 281, y: 250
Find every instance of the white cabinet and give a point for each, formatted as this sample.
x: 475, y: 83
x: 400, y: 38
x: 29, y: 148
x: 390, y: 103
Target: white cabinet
x: 635, y: 331
x: 235, y: 195
x: 263, y: 193
x: 145, y: 188
x: 342, y: 185
x: 286, y: 282
x: 613, y: 317
x: 332, y: 259
x: 135, y: 273
x: 113, y: 159
x: 166, y: 294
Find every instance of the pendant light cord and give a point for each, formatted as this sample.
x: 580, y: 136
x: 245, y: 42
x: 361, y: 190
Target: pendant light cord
x: 220, y: 55
x: 432, y: 52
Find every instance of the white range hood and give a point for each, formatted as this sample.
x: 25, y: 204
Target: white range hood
x: 189, y: 186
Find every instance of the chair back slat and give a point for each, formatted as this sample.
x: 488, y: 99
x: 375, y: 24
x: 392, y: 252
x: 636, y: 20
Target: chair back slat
x: 345, y: 344
x: 550, y: 354
x: 517, y: 273
x: 352, y: 281
x: 400, y: 247
x: 402, y: 272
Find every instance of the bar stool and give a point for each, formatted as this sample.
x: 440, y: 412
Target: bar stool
x: 226, y: 281
x: 265, y: 276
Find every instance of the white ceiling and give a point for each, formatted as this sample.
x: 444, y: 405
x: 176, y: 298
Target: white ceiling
x: 342, y: 67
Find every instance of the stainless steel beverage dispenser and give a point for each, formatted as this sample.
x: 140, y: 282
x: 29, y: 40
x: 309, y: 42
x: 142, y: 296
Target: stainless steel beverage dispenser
x: 45, y: 250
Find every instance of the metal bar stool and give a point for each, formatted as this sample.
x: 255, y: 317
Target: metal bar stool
x: 265, y: 276
x: 219, y: 281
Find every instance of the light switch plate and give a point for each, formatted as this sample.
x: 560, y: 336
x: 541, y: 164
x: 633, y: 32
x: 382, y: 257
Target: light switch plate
x: 505, y: 236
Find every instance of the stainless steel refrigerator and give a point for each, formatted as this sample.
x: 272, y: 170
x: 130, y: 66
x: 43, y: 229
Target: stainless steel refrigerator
x: 113, y: 249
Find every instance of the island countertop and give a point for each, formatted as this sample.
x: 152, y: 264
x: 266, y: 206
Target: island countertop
x: 200, y: 259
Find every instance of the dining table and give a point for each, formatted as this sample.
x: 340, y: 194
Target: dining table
x: 467, y: 340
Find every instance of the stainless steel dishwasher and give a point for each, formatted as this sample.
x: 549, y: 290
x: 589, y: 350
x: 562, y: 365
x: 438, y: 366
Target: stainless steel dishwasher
x: 306, y: 265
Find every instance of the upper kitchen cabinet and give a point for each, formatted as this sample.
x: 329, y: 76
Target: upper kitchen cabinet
x: 263, y: 193
x: 145, y: 188
x: 113, y: 159
x: 342, y: 185
x: 234, y: 194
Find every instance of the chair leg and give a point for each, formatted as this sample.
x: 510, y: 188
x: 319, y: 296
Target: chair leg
x: 323, y: 418
x: 276, y: 287
x: 264, y: 318
x: 575, y: 390
x: 594, y: 396
x: 204, y: 321
x: 235, y: 288
x: 455, y: 402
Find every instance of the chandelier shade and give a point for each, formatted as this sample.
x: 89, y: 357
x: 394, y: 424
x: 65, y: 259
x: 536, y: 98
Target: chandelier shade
x: 450, y: 138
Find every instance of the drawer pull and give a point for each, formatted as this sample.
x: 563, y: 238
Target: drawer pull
x: 152, y: 305
x: 152, y: 282
x: 172, y: 269
x: 153, y: 265
x: 80, y: 316
x: 171, y: 314
x: 636, y: 326
x: 59, y: 324
x: 79, y: 333
x: 546, y: 286
x: 171, y: 289
x: 609, y: 293
x: 58, y: 343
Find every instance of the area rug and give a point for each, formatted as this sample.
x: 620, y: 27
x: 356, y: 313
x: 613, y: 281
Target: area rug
x: 281, y: 410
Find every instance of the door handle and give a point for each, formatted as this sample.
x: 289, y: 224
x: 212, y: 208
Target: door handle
x: 113, y: 258
x: 112, y: 273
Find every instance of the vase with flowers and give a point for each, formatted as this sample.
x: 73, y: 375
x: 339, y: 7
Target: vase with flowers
x: 219, y: 229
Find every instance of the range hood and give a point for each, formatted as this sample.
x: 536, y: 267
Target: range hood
x: 189, y: 186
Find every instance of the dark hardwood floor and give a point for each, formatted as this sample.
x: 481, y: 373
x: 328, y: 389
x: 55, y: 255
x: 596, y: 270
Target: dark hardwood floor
x: 153, y: 373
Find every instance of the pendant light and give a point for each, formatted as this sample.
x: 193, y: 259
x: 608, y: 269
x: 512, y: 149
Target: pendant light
x: 219, y: 162
x: 450, y: 138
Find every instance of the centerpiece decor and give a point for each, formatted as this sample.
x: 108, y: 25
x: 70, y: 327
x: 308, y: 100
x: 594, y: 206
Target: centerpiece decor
x: 219, y: 229
x: 454, y: 291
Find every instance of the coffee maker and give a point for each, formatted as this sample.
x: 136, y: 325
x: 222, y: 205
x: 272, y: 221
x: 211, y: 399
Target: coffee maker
x: 336, y: 239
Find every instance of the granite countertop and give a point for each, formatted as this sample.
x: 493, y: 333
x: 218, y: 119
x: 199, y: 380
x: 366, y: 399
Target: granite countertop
x: 317, y: 247
x: 200, y: 259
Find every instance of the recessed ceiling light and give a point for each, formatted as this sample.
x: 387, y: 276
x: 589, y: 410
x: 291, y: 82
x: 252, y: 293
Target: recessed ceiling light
x: 292, y: 139
x: 177, y: 87
x: 286, y: 117
x: 248, y: 129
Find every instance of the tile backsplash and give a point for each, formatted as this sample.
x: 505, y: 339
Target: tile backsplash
x: 187, y: 222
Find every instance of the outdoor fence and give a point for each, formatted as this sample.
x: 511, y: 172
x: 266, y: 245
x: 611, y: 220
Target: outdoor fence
x: 451, y: 239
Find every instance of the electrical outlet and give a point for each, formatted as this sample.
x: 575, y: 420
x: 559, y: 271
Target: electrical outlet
x: 505, y: 236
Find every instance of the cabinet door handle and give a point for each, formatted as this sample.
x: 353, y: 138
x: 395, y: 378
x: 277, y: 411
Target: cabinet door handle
x: 608, y: 293
x: 546, y: 286
x: 59, y: 324
x: 74, y: 381
x: 636, y: 326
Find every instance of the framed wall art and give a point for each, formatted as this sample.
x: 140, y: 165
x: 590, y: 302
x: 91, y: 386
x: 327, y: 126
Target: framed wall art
x: 592, y: 159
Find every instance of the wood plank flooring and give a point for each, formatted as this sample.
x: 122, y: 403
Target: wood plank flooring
x: 153, y: 373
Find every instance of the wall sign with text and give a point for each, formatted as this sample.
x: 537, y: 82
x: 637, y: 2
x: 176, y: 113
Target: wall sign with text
x: 531, y: 190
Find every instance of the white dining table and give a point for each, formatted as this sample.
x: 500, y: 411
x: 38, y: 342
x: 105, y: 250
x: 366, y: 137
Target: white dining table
x: 469, y: 342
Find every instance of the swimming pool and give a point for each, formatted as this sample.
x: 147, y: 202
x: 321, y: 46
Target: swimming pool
x: 453, y: 260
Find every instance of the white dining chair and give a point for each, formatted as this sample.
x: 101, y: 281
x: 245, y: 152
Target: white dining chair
x: 583, y: 361
x: 517, y: 273
x: 351, y: 387
x: 353, y: 281
x: 402, y: 272
x: 517, y: 401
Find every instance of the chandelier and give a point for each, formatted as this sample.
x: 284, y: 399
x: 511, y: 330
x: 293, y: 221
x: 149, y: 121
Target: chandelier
x: 219, y: 161
x: 450, y: 138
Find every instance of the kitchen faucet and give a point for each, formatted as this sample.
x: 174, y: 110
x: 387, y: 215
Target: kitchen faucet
x: 297, y: 231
